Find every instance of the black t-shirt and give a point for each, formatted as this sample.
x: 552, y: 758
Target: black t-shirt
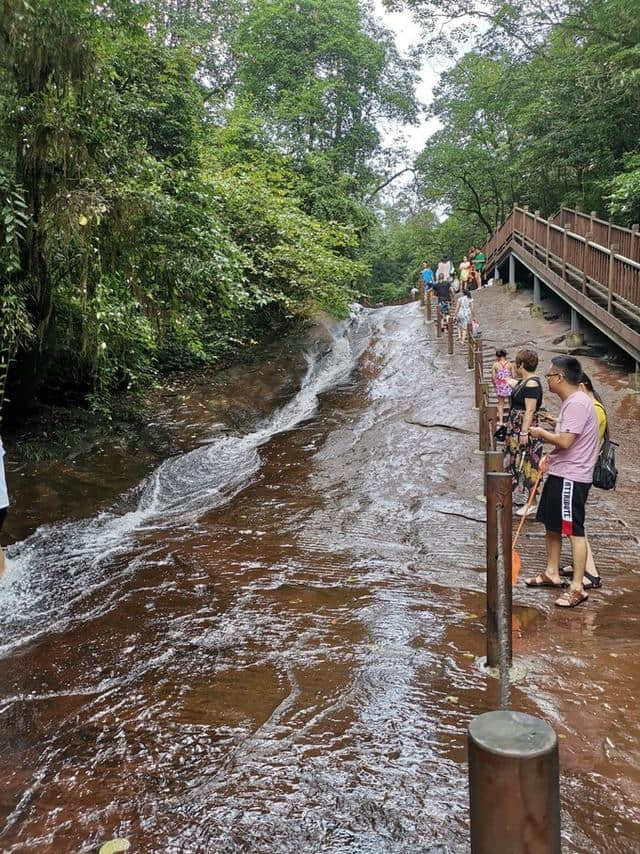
x: 522, y: 392
x: 443, y: 290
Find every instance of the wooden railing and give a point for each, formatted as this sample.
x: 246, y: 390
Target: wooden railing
x: 595, y: 272
x: 605, y: 233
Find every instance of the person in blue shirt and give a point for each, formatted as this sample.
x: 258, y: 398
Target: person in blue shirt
x: 427, y: 276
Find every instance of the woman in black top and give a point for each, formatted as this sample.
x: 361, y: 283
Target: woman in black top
x: 522, y: 452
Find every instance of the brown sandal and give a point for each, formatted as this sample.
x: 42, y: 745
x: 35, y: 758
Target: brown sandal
x: 571, y: 599
x: 542, y: 580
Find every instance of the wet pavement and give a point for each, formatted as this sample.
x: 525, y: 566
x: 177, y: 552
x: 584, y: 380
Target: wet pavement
x: 273, y: 644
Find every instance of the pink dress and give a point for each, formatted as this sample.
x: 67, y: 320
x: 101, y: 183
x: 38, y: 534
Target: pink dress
x: 502, y: 387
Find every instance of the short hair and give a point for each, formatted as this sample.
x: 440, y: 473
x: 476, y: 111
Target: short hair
x: 501, y: 353
x: 569, y: 367
x: 528, y: 359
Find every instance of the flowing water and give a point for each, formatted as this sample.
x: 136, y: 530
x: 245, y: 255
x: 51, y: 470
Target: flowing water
x: 272, y: 644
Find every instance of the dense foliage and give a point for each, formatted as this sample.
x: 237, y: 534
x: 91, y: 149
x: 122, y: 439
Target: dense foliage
x: 178, y: 179
x: 543, y: 109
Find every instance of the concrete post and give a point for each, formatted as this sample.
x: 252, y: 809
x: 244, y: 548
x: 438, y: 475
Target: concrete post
x: 536, y: 290
x: 450, y: 333
x: 428, y: 300
x: 514, y: 784
x: 512, y: 269
x: 438, y: 321
x: 574, y: 338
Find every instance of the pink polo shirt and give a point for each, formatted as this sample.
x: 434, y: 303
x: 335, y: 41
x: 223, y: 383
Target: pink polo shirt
x: 578, y: 416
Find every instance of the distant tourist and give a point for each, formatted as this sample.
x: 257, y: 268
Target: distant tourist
x: 463, y: 270
x: 464, y: 314
x: 427, y: 276
x: 501, y: 373
x: 444, y: 268
x: 479, y: 265
x: 523, y: 452
x: 443, y: 292
x: 570, y: 467
x: 4, y: 501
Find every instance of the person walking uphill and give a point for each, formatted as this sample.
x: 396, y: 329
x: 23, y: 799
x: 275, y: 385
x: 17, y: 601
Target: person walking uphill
x: 426, y: 274
x: 570, y: 466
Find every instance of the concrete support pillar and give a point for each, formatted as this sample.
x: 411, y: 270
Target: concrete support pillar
x: 634, y: 379
x: 512, y: 269
x: 536, y: 308
x: 574, y: 338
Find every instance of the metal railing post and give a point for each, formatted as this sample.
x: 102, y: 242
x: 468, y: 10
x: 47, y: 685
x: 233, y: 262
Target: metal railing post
x: 499, y: 601
x: 493, y: 462
x: 477, y: 368
x: 514, y: 784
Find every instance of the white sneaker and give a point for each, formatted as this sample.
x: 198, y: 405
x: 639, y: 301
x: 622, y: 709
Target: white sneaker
x: 527, y: 511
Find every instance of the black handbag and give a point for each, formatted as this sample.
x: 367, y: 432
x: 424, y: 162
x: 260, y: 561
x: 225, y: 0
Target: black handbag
x: 605, y: 474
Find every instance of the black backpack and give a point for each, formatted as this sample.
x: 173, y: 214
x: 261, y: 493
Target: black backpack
x: 605, y: 474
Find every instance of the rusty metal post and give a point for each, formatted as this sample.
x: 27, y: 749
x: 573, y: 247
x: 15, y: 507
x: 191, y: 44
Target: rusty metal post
x: 492, y: 420
x: 450, y: 334
x: 483, y: 416
x: 438, y: 321
x: 499, y: 601
x: 514, y: 784
x: 482, y: 422
x: 493, y: 462
x: 428, y: 302
x: 469, y: 347
x: 612, y: 251
x: 477, y: 376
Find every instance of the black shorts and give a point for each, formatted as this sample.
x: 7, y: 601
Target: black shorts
x: 562, y: 504
x: 3, y: 515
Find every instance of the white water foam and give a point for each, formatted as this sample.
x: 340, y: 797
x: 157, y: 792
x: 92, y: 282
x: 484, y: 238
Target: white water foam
x: 59, y: 565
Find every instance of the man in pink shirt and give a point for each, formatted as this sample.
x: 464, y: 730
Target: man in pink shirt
x: 570, y: 466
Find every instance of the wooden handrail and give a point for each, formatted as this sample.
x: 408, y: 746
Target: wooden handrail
x: 593, y: 265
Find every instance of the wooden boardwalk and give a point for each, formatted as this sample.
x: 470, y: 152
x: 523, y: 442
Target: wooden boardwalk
x: 593, y: 265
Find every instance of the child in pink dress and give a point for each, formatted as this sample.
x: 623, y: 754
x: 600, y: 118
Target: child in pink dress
x: 501, y: 373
